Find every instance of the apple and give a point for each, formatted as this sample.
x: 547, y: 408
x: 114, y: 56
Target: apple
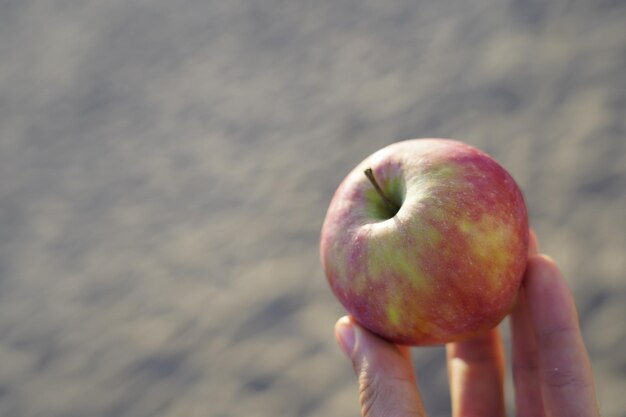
x: 425, y: 242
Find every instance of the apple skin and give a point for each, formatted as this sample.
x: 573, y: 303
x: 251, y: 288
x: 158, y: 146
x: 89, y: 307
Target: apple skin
x: 448, y: 264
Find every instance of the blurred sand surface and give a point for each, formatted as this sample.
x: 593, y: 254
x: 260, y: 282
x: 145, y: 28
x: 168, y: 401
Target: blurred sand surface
x: 165, y: 168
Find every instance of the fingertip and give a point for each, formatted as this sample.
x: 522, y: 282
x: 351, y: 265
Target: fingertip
x: 550, y: 301
x: 381, y: 354
x: 386, y: 379
x: 345, y: 335
x: 549, y: 262
x: 533, y: 243
x: 541, y: 272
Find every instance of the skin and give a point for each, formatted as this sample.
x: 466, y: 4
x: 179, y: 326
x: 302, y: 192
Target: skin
x: 448, y: 264
x: 551, y: 368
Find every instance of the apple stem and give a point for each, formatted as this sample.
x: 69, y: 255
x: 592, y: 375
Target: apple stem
x: 390, y: 204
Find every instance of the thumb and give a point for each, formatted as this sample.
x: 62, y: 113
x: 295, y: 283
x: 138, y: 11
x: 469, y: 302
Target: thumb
x: 384, y: 371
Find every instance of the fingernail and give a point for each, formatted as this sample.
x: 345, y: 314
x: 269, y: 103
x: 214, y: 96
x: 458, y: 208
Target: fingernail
x: 344, y: 330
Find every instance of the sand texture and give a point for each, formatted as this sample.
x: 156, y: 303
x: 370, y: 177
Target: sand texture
x: 165, y: 168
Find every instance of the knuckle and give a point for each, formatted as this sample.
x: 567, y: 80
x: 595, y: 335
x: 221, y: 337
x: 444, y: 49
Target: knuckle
x: 369, y: 389
x: 385, y: 395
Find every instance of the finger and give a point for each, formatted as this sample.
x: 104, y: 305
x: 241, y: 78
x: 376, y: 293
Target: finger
x: 385, y: 375
x: 564, y: 368
x: 476, y: 373
x: 533, y: 243
x: 528, y: 400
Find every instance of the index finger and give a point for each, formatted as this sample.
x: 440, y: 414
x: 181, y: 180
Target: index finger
x: 564, y: 367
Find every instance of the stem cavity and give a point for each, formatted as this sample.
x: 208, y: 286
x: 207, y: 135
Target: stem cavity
x: 390, y: 204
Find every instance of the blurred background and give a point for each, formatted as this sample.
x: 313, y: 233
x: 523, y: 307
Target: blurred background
x: 165, y: 168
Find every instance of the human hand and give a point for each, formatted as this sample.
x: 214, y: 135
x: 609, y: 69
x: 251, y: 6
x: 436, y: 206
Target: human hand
x: 551, y: 367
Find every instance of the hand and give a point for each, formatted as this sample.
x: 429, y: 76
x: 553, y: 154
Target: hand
x: 551, y: 367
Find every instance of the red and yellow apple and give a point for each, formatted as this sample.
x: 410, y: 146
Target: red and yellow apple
x: 425, y: 242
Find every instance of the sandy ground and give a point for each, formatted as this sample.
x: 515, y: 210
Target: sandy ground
x: 165, y: 168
